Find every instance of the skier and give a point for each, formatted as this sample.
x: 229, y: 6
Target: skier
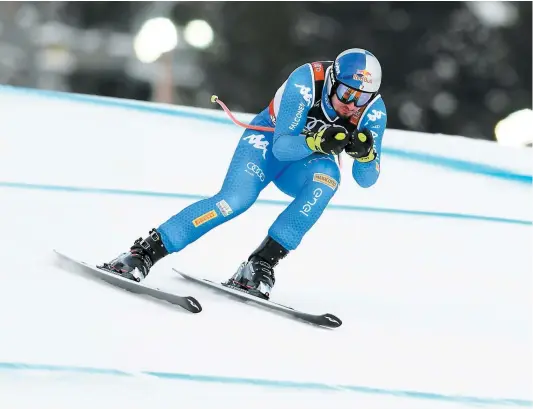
x: 322, y: 109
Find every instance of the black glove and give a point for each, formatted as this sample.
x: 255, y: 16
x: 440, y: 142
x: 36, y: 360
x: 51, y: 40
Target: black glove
x: 361, y: 146
x: 330, y: 140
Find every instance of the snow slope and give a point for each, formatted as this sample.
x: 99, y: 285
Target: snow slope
x: 434, y: 289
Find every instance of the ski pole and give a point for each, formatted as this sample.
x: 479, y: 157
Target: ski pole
x: 214, y: 99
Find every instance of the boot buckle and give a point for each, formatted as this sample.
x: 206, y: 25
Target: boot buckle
x: 154, y: 235
x: 144, y: 245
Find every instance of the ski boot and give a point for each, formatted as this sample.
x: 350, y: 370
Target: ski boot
x: 136, y: 263
x: 256, y: 276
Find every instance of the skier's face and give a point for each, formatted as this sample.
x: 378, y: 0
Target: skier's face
x: 344, y: 110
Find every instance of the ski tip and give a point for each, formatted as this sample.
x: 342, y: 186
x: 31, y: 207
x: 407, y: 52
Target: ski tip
x: 61, y: 255
x: 179, y: 272
x: 195, y: 306
x: 331, y: 320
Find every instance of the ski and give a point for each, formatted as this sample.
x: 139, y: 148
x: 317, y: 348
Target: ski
x: 186, y: 302
x: 325, y: 320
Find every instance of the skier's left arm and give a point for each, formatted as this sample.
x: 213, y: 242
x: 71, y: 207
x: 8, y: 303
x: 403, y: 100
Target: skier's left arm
x: 366, y: 170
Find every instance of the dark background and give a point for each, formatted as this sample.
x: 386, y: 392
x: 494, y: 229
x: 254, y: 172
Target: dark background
x: 448, y: 67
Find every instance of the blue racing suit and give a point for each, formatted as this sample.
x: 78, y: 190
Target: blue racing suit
x: 283, y: 157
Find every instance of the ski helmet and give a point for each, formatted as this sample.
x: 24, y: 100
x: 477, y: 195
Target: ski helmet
x: 355, y: 76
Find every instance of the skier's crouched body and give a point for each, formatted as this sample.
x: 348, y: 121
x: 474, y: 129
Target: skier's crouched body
x: 321, y: 110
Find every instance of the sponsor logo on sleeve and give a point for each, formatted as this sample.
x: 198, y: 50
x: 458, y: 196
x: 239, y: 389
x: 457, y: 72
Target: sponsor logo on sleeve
x: 224, y: 208
x: 204, y: 218
x: 306, y: 93
x: 375, y: 115
x: 297, y: 117
x: 325, y: 180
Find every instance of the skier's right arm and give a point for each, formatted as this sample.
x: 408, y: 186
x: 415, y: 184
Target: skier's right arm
x: 291, y: 105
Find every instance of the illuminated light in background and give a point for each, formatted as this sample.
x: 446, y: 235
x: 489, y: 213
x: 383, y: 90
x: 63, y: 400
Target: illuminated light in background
x: 156, y: 37
x: 445, y: 67
x: 56, y: 59
x: 411, y: 114
x: 516, y: 129
x: 494, y: 13
x: 444, y: 103
x: 199, y: 34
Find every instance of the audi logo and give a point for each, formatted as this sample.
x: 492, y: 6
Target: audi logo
x: 256, y: 170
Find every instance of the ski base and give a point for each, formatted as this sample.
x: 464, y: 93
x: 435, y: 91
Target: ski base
x: 186, y: 302
x: 325, y: 320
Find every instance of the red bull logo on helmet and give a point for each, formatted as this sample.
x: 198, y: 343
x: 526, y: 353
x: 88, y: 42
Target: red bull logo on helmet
x: 363, y: 75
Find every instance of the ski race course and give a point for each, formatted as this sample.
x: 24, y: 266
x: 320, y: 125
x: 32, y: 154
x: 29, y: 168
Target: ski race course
x: 433, y: 284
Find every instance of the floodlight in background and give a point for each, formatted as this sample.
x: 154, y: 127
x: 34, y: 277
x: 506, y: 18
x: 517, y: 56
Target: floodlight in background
x: 494, y: 13
x: 516, y: 129
x: 199, y: 34
x: 156, y: 37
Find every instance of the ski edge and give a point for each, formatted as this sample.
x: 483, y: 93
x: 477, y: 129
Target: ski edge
x: 326, y: 320
x: 186, y: 302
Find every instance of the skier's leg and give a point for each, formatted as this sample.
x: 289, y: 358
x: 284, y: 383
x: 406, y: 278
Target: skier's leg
x: 312, y: 182
x: 248, y: 174
x: 250, y: 171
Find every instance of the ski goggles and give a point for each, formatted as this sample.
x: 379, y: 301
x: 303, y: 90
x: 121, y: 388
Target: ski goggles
x: 347, y: 95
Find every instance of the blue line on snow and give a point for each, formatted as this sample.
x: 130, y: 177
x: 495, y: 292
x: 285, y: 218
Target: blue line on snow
x: 75, y: 189
x: 15, y: 366
x: 456, y: 164
x: 6, y: 366
x: 461, y: 165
